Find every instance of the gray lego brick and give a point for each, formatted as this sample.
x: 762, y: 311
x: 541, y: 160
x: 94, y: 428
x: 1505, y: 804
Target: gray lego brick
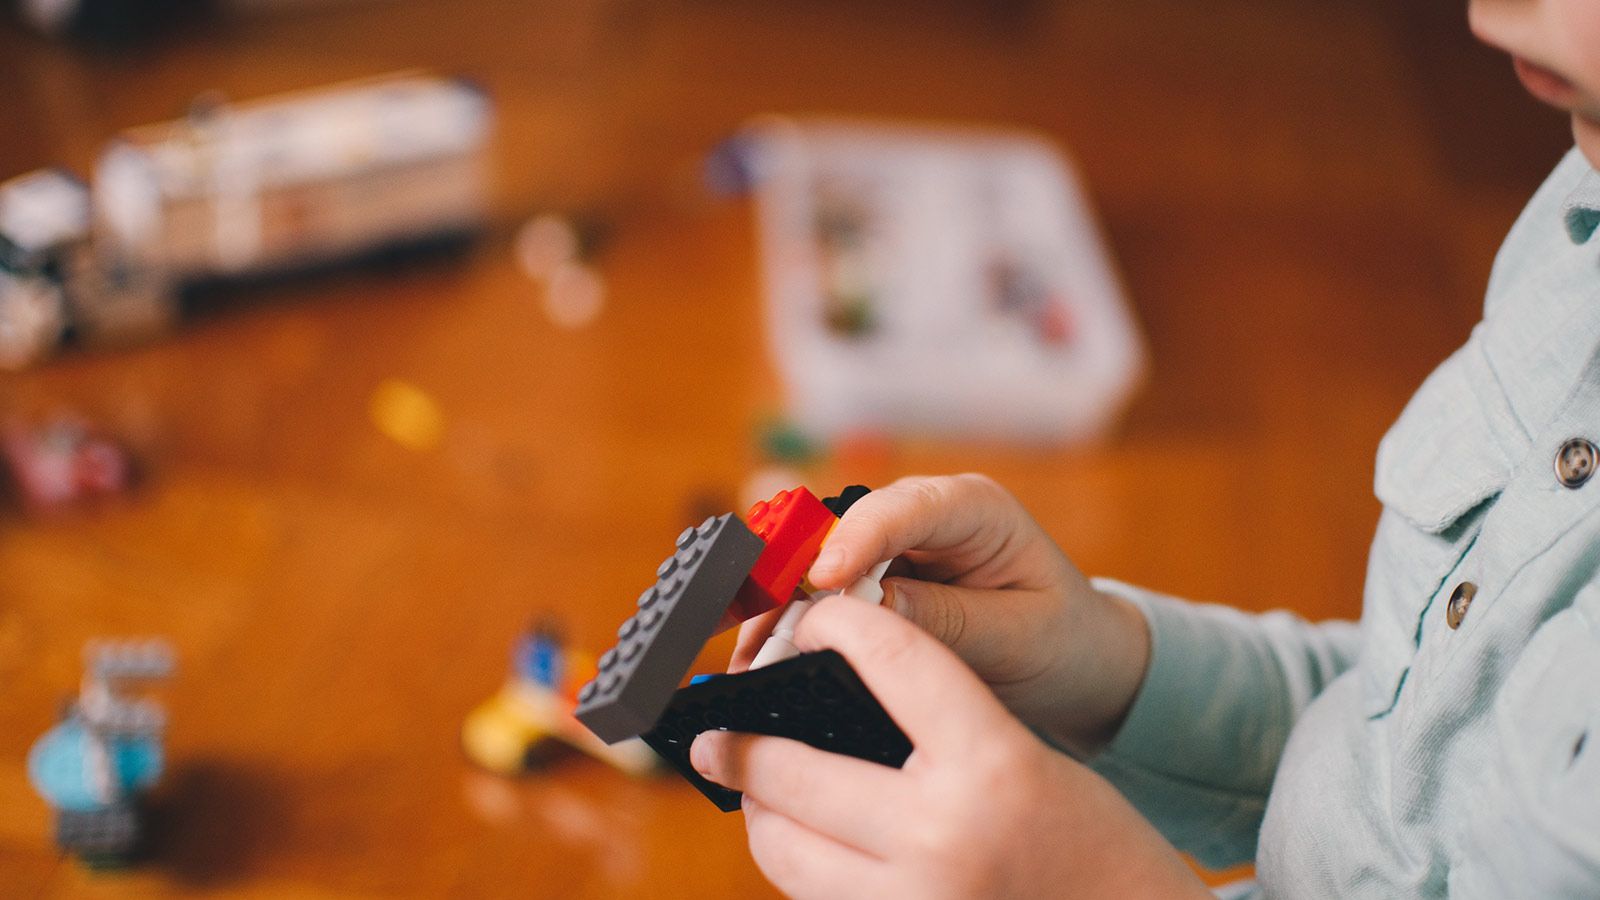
x: 676, y: 616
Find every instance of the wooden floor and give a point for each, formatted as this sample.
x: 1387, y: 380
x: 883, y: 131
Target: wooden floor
x: 1304, y: 199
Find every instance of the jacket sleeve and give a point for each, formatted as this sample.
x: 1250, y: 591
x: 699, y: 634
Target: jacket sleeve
x: 1202, y: 740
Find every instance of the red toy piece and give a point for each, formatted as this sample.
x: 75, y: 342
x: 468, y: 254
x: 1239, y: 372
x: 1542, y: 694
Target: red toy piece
x: 63, y: 463
x: 793, y: 524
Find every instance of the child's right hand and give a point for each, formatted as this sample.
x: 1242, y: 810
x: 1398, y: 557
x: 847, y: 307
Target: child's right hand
x: 978, y: 573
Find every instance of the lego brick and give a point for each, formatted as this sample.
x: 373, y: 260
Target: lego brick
x: 793, y: 524
x: 676, y: 616
x: 846, y: 499
x: 815, y: 698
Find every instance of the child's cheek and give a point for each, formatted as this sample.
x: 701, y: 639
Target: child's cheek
x: 1579, y: 22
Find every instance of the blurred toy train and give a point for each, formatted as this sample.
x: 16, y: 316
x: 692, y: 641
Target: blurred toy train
x: 180, y: 212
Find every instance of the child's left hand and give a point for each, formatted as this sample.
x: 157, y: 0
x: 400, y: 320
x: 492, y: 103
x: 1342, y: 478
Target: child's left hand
x: 981, y: 808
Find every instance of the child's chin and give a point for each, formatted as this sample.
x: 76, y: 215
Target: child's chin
x: 1586, y: 132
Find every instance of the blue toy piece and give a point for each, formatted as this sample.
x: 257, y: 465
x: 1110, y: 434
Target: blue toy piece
x: 61, y: 770
x: 730, y: 168
x: 539, y: 658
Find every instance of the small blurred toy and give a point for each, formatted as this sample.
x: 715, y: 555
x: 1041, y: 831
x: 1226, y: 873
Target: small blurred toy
x: 44, y: 218
x: 57, y: 288
x: 297, y: 182
x: 510, y: 732
x: 94, y: 767
x: 63, y: 463
x: 183, y: 214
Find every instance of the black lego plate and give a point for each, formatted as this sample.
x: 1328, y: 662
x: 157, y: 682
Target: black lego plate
x: 815, y: 698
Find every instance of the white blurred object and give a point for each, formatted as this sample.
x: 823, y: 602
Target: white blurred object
x: 44, y: 209
x: 44, y: 220
x: 574, y: 295
x: 544, y: 243
x: 369, y: 171
x: 549, y: 251
x: 936, y: 281
x: 298, y: 180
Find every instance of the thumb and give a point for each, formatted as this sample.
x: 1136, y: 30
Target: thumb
x: 936, y: 700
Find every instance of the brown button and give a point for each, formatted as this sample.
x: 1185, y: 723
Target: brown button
x: 1460, y: 602
x: 1575, y: 462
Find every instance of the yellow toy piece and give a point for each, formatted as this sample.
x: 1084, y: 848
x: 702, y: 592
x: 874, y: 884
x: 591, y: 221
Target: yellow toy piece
x: 509, y: 732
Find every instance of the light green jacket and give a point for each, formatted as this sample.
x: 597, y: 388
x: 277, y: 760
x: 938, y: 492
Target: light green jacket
x: 1404, y: 757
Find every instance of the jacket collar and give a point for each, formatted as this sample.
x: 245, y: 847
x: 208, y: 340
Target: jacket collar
x: 1582, y: 209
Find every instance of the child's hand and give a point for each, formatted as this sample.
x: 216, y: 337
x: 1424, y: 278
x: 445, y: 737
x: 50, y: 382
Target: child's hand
x: 982, y: 808
x: 986, y: 580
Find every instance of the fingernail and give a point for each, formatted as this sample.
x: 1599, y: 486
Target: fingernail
x: 831, y: 558
x: 900, y: 596
x: 700, y: 754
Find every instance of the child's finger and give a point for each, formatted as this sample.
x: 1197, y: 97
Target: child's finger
x: 752, y: 634
x: 913, y: 513
x: 929, y: 692
x: 805, y: 864
x: 900, y: 568
x: 982, y: 625
x: 849, y: 800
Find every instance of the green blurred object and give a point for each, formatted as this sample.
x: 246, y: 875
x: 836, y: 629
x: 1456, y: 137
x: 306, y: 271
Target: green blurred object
x: 781, y: 441
x: 850, y: 315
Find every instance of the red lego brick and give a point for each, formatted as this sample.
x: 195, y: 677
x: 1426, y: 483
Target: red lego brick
x: 793, y: 524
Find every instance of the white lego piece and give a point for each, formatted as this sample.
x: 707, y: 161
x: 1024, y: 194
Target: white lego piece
x: 780, y: 645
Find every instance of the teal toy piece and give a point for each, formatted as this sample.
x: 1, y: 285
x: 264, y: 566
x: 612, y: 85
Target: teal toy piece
x: 62, y: 770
